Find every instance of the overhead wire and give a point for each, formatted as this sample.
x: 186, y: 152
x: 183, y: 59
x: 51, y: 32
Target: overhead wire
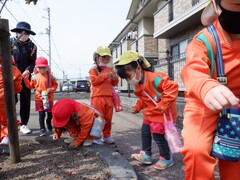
x: 2, y: 6
x: 56, y: 65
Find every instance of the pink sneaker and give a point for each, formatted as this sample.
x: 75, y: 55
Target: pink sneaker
x: 5, y: 141
x: 142, y: 157
x: 4, y: 145
x: 163, y: 163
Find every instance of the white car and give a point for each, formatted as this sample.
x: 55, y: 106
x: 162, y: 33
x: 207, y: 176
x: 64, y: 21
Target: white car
x: 68, y: 87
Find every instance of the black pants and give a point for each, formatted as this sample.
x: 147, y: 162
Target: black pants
x: 25, y: 103
x: 160, y: 140
x: 48, y: 120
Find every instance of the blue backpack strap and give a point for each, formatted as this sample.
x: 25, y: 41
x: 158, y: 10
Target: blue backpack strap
x: 219, y: 61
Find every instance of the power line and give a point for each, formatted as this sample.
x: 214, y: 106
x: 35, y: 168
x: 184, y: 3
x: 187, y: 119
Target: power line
x: 61, y: 69
x: 2, y: 6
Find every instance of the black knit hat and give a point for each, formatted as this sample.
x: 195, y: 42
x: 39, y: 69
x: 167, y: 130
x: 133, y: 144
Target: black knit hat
x: 23, y: 26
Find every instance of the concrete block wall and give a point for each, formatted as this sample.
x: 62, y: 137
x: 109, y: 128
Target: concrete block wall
x: 63, y: 95
x: 127, y: 104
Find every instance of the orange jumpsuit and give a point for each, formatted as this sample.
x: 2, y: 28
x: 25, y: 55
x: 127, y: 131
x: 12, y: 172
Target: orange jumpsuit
x: 17, y: 80
x: 39, y: 82
x: 101, y: 94
x: 162, y: 90
x: 82, y: 127
x: 200, y: 122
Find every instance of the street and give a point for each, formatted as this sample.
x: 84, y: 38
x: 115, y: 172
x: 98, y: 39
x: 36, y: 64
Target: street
x: 126, y: 131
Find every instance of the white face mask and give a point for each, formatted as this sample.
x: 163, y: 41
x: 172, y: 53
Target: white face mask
x: 23, y: 38
x: 135, y: 81
x: 103, y: 64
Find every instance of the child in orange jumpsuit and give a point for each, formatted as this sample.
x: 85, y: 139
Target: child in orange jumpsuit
x: 76, y: 118
x: 17, y: 80
x: 41, y: 81
x: 150, y: 87
x: 102, y: 78
x: 205, y: 96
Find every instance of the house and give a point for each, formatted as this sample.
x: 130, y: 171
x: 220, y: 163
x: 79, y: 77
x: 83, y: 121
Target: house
x: 160, y: 30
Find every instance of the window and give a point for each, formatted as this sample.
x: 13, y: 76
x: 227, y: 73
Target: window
x: 178, y: 50
x: 195, y: 2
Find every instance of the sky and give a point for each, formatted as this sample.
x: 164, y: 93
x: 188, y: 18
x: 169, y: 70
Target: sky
x: 78, y: 27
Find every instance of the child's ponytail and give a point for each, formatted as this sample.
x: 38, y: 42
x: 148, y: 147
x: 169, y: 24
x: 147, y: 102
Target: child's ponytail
x: 95, y: 58
x: 141, y: 62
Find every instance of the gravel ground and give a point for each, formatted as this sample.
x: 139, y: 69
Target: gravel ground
x: 53, y: 160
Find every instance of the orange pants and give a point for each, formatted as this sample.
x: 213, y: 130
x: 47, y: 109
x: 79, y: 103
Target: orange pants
x: 198, y: 133
x: 105, y: 106
x: 3, y: 122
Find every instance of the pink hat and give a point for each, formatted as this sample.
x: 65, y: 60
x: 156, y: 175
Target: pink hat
x: 62, y: 111
x: 41, y: 62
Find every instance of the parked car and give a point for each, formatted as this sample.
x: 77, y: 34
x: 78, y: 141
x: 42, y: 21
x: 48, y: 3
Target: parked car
x: 82, y: 85
x: 68, y: 87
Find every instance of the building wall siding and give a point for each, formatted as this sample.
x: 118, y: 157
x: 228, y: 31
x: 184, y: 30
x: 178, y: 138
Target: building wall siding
x: 181, y: 6
x: 150, y: 44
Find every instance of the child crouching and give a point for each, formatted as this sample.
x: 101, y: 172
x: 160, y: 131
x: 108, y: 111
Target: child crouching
x: 77, y: 119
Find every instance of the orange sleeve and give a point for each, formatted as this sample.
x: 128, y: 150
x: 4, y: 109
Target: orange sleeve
x: 115, y: 81
x: 85, y: 119
x: 17, y: 79
x: 30, y: 84
x: 169, y: 90
x: 196, y: 73
x: 95, y: 78
x: 54, y: 85
x: 139, y: 105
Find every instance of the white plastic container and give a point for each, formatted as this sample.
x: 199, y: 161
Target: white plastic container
x: 98, y: 125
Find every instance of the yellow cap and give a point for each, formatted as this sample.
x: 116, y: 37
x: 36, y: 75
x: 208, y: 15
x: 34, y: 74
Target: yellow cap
x: 103, y: 51
x: 131, y: 56
x: 44, y: 93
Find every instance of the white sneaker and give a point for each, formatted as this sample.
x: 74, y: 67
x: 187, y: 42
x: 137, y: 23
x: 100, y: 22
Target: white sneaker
x: 97, y: 141
x: 24, y: 129
x: 108, y: 140
x: 87, y: 142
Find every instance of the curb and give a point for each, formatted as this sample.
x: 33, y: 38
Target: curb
x: 120, y: 168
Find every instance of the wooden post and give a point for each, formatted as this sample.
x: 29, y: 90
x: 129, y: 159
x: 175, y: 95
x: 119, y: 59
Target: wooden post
x: 9, y: 90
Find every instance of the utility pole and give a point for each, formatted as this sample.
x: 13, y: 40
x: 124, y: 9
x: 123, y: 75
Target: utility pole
x: 49, y: 35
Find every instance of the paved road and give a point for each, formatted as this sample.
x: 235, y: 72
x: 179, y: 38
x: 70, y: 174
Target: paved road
x: 126, y: 131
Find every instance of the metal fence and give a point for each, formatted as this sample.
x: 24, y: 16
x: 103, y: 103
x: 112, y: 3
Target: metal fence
x: 172, y: 65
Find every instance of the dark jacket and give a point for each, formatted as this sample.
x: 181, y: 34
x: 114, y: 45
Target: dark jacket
x: 24, y: 54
